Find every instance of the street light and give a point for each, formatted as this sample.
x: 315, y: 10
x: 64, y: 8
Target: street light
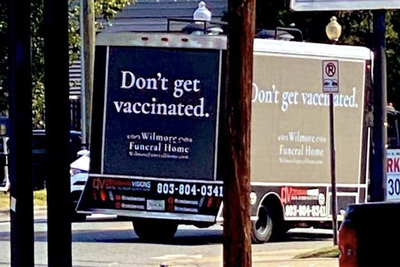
x: 201, y: 19
x: 202, y: 13
x: 333, y: 31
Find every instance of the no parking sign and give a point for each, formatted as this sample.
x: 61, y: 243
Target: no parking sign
x: 330, y: 72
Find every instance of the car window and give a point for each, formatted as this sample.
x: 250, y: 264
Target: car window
x: 393, y: 130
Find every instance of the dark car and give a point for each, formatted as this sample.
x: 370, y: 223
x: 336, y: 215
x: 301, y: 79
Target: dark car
x: 39, y: 176
x: 393, y: 129
x: 39, y: 155
x: 369, y: 235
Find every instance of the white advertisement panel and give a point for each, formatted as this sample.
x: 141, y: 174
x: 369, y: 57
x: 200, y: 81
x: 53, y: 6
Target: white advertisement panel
x: 325, y: 5
x: 393, y: 174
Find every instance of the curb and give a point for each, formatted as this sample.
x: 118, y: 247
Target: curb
x: 5, y: 215
x: 6, y: 211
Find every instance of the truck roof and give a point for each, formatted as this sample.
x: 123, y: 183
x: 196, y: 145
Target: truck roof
x: 176, y: 40
x: 219, y: 42
x: 312, y: 49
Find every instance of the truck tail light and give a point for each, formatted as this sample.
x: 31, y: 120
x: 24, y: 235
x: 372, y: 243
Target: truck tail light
x: 347, y: 246
x: 210, y: 202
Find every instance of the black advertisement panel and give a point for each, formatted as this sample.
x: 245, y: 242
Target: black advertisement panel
x: 157, y: 196
x: 301, y: 201
x: 160, y: 116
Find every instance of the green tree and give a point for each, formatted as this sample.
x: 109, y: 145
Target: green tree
x: 393, y: 59
x: 3, y: 57
x: 358, y: 31
x: 104, y: 8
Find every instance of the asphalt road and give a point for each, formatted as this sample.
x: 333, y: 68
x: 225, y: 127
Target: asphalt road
x: 104, y: 241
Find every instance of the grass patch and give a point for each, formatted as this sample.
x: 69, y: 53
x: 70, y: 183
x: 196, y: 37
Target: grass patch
x: 325, y: 252
x: 39, y: 199
x: 4, y: 200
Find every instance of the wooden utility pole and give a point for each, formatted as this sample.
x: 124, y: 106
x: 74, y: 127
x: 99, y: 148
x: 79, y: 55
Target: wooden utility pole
x: 379, y: 168
x: 237, y: 224
x: 87, y: 66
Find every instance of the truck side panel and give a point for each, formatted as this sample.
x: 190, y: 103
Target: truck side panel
x: 290, y: 120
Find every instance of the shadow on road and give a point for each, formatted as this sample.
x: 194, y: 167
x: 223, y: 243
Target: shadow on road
x: 184, y: 237
x: 116, y: 233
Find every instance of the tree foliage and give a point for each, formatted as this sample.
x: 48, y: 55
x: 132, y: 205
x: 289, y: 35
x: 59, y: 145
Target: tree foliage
x: 103, y: 8
x: 357, y: 30
x: 3, y: 57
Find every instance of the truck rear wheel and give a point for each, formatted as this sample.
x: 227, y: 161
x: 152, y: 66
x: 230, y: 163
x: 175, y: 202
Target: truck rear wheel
x: 262, y: 229
x: 155, y: 230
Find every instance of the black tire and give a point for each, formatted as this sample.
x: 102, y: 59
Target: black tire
x: 262, y: 229
x: 155, y: 230
x: 79, y: 217
x: 76, y: 217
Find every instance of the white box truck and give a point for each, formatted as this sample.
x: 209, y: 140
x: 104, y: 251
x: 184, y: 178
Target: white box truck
x: 156, y: 131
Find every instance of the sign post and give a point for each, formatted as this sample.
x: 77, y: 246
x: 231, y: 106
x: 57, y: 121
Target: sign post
x: 21, y: 190
x: 330, y: 70
x: 59, y: 244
